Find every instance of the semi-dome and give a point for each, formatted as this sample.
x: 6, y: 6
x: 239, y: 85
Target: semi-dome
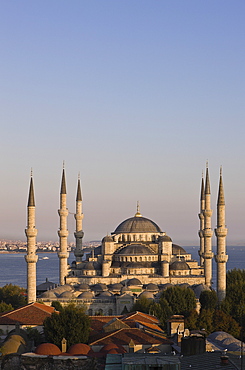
x: 137, y: 224
x: 177, y: 249
x: 135, y: 249
x: 165, y: 238
x: 179, y: 265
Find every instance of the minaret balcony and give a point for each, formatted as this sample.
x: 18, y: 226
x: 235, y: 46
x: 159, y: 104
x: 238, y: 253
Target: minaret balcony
x: 31, y: 258
x: 221, y: 232
x: 78, y: 216
x: 221, y: 258
x: 31, y: 233
x: 79, y: 234
x: 207, y: 255
x: 63, y: 233
x: 207, y: 233
x: 63, y: 212
x: 207, y: 212
x: 63, y: 254
x: 201, y: 216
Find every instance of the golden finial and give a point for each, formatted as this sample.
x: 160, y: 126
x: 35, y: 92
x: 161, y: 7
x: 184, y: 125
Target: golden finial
x: 206, y: 163
x: 63, y: 164
x: 138, y: 214
x: 220, y: 170
x: 31, y: 172
x: 79, y: 177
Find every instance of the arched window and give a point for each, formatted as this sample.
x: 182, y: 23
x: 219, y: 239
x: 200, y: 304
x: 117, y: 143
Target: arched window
x: 90, y: 312
x: 140, y: 259
x: 110, y: 312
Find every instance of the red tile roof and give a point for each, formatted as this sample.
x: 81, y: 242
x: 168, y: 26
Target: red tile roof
x: 124, y: 336
x: 31, y: 314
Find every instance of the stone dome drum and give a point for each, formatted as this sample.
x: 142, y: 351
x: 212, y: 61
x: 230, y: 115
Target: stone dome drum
x: 137, y: 224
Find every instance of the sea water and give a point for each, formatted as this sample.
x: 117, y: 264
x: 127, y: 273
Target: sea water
x: 13, y: 267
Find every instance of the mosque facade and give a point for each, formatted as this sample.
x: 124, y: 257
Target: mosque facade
x: 137, y: 258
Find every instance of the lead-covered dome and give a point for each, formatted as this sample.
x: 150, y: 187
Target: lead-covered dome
x: 137, y: 224
x: 135, y: 249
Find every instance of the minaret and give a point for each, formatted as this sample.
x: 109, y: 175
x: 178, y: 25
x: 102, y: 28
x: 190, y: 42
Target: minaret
x: 79, y: 224
x: 221, y: 231
x: 31, y: 257
x: 201, y: 217
x: 207, y: 233
x: 63, y: 232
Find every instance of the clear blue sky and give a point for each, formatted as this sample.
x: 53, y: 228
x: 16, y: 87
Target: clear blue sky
x: 134, y: 95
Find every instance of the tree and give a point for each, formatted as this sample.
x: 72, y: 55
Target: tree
x: 57, y: 305
x: 181, y: 301
x: 142, y: 304
x: 71, y: 323
x: 208, y: 300
x: 4, y: 307
x: 225, y: 322
x: 14, y: 295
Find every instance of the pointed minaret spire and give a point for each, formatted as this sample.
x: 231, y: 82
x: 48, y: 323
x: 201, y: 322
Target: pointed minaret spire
x: 63, y: 183
x: 207, y: 232
x: 221, y: 195
x: 63, y: 232
x: 207, y: 183
x: 31, y: 257
x: 31, y: 199
x: 201, y: 217
x: 202, y: 190
x: 79, y: 224
x: 221, y: 257
x: 79, y: 192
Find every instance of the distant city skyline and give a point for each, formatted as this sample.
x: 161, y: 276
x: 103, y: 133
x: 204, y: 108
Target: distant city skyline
x: 134, y: 96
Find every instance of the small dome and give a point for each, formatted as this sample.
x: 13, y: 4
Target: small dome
x: 152, y: 287
x: 179, y: 265
x: 105, y: 295
x: 89, y: 266
x: 165, y: 238
x: 176, y: 249
x: 49, y: 294
x: 66, y: 295
x: 134, y: 281
x: 145, y: 294
x: 99, y: 287
x: 63, y: 288
x: 111, y: 346
x: 115, y: 287
x: 107, y: 239
x: 48, y: 349
x: 86, y: 295
x: 82, y: 287
x: 166, y: 286
x: 137, y: 224
x: 135, y: 249
x: 79, y: 349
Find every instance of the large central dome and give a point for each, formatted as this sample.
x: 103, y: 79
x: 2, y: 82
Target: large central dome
x: 137, y: 224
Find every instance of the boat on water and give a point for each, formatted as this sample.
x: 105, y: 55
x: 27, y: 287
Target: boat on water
x: 45, y: 258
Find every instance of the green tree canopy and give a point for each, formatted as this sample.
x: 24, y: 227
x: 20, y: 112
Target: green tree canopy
x: 181, y: 301
x: 14, y: 295
x: 4, y: 307
x: 208, y: 300
x: 71, y: 323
